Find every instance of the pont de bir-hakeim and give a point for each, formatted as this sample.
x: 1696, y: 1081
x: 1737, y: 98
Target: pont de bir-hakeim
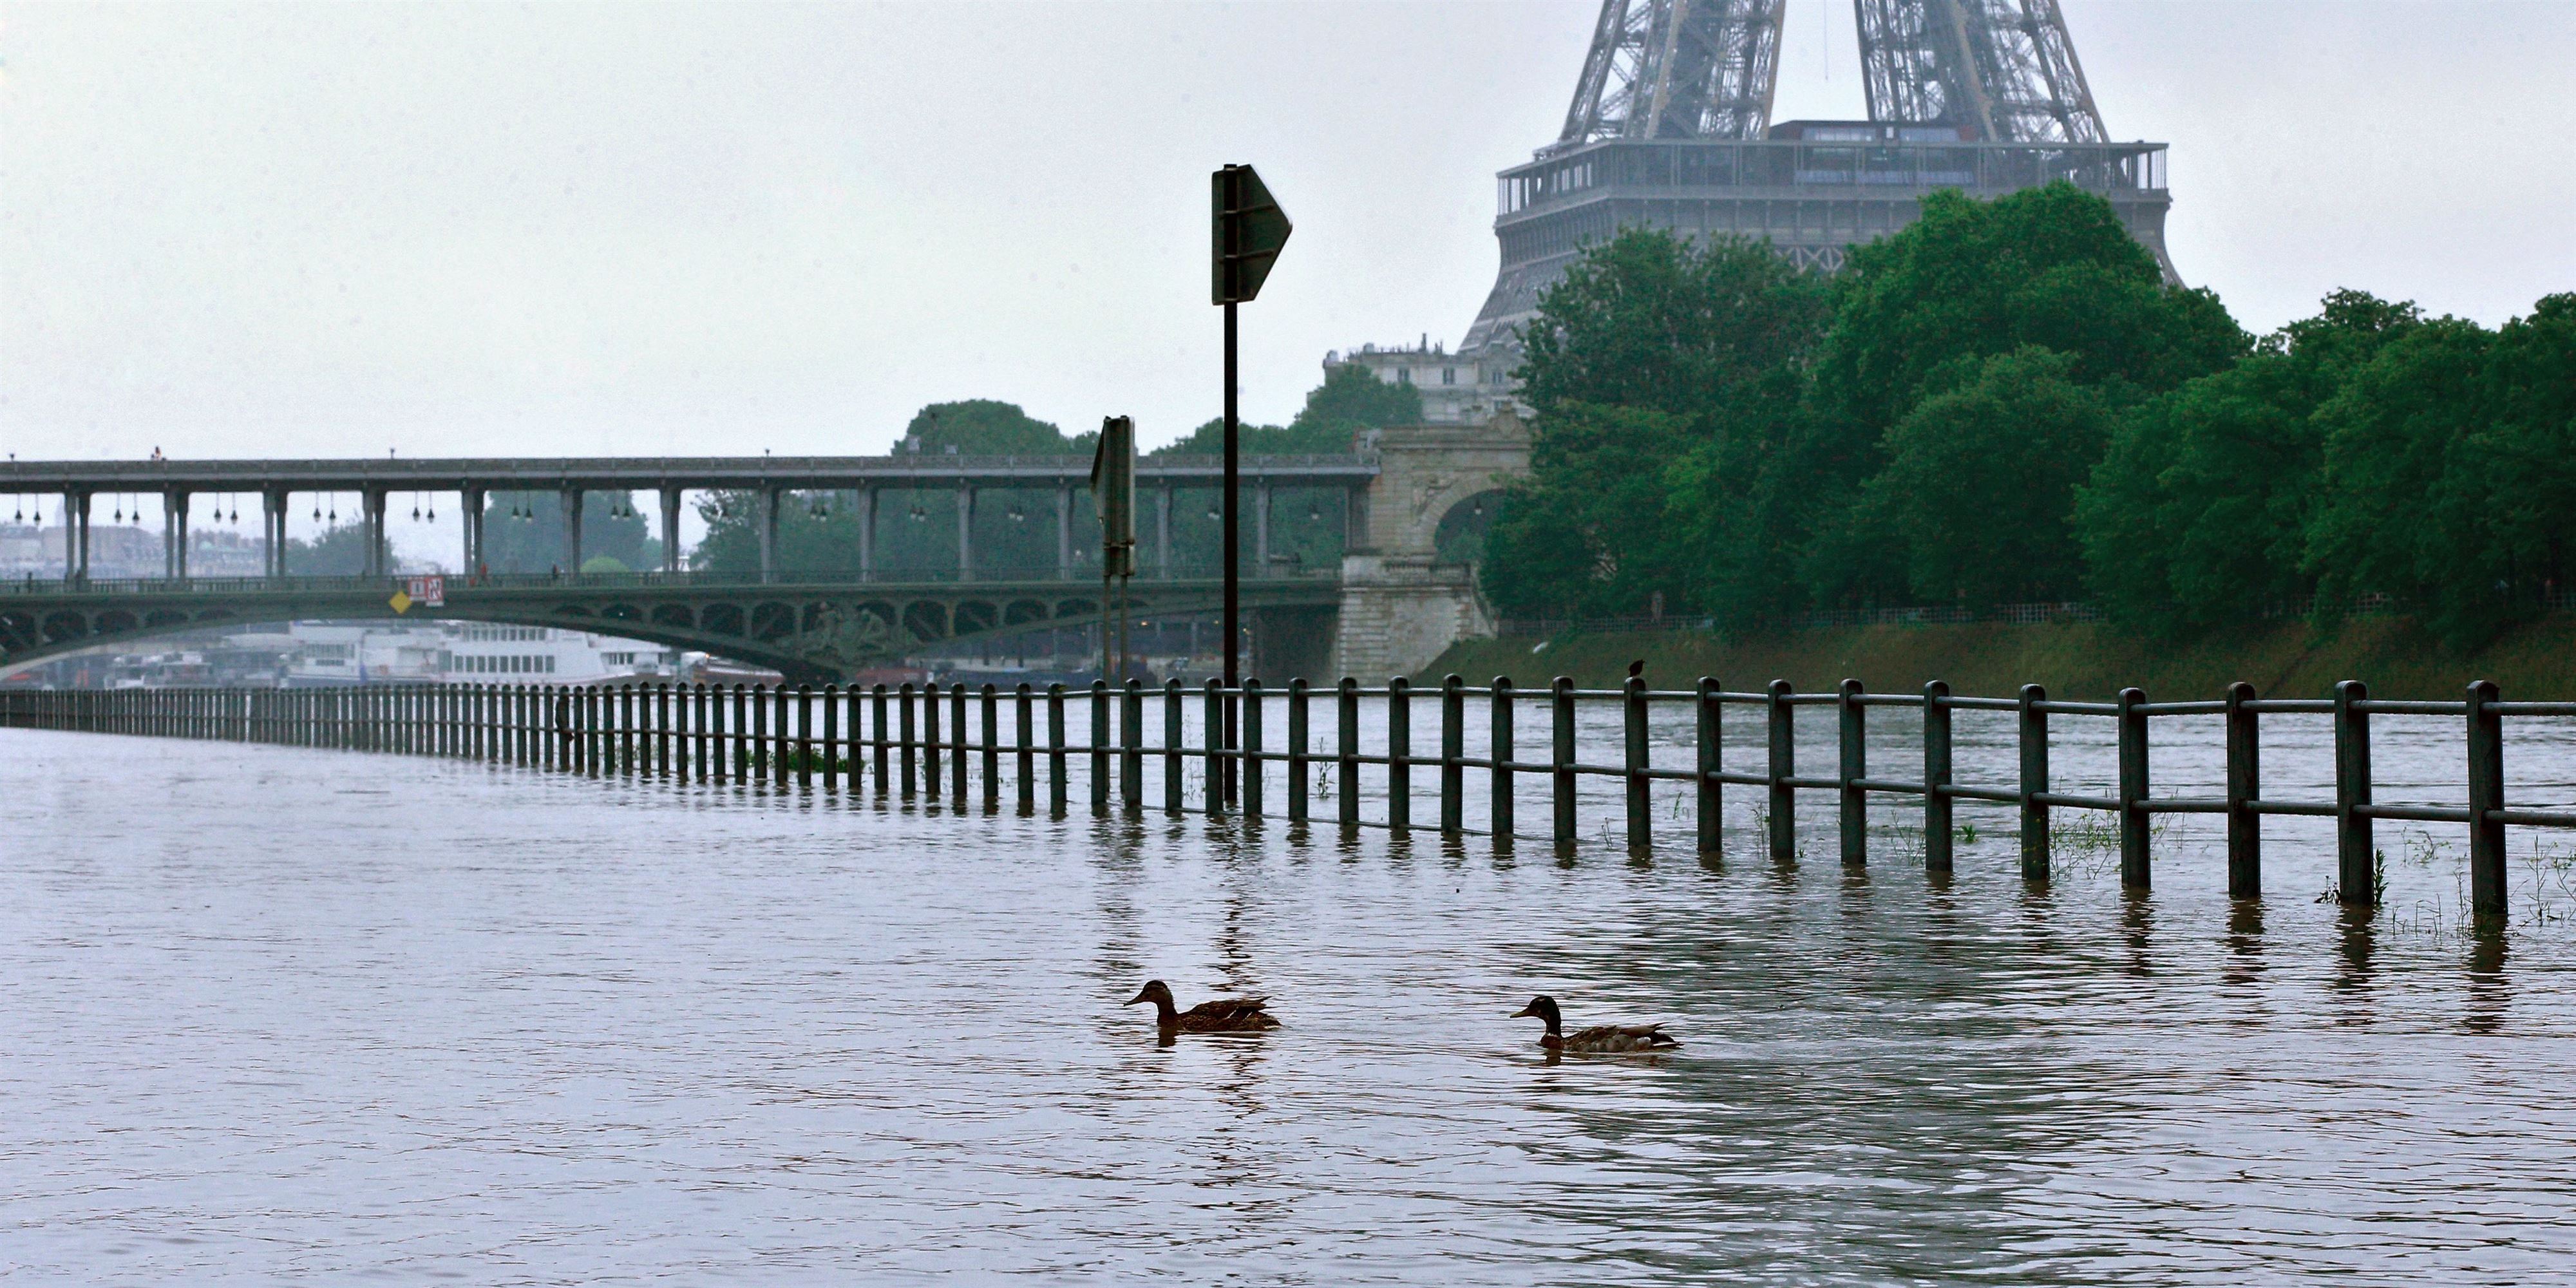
x: 1671, y: 127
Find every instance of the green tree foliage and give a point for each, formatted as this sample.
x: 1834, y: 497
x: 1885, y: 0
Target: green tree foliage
x: 984, y: 427
x: 523, y: 532
x: 337, y: 551
x: 1350, y: 401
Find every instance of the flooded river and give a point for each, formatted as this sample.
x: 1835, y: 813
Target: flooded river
x: 276, y: 1015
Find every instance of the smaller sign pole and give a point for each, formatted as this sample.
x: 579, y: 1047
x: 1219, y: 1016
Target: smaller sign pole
x: 1113, y: 498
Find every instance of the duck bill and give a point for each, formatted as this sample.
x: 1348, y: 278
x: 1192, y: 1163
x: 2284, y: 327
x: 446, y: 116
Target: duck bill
x: 1523, y: 1013
x: 1134, y: 1000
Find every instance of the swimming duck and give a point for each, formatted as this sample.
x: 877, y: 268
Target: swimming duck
x: 1600, y: 1038
x: 1222, y: 1015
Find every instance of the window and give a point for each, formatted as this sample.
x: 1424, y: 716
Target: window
x: 1404, y: 375
x: 1448, y: 375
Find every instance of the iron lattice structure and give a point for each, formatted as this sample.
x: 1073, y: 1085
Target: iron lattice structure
x: 1677, y: 69
x: 1671, y: 127
x: 2002, y: 69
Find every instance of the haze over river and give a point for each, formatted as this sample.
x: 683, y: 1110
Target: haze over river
x: 278, y: 1015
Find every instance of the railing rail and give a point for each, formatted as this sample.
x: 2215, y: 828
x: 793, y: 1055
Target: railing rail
x: 893, y: 739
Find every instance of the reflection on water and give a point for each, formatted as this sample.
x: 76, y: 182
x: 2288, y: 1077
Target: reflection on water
x: 284, y: 1015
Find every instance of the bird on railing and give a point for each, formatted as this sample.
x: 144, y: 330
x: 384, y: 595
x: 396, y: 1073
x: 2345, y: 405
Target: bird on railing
x: 1220, y: 1015
x: 1600, y: 1039
x: 1637, y: 669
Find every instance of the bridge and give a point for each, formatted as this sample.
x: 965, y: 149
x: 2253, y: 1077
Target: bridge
x: 1391, y: 602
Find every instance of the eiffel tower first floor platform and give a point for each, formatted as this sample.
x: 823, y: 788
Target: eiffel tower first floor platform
x: 1812, y: 200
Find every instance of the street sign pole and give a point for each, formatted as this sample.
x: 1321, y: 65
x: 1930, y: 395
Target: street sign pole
x: 1249, y: 230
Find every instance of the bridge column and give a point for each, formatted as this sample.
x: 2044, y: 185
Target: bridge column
x: 1064, y: 532
x: 371, y: 504
x: 965, y: 532
x: 670, y: 529
x: 469, y: 504
x: 74, y: 504
x: 1163, y: 532
x: 768, y: 519
x: 1261, y: 528
x: 174, y: 532
x: 572, y: 529
x: 272, y: 531
x: 867, y: 533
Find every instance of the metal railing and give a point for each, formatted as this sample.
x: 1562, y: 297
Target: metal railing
x: 893, y: 738
x: 942, y: 575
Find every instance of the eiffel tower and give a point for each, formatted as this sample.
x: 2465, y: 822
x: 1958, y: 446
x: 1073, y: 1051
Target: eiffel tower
x: 1671, y: 127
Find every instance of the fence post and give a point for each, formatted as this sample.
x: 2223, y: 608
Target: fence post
x: 2034, y: 782
x: 789, y: 748
x: 1024, y: 722
x: 1346, y: 724
x: 1560, y: 754
x: 877, y: 709
x: 1175, y: 795
x: 1709, y: 798
x: 1399, y: 754
x: 2135, y: 873
x: 2486, y: 794
x: 1212, y: 745
x: 2354, y: 873
x: 931, y: 747
x: 1853, y: 737
x: 831, y: 737
x: 992, y: 746
x: 1641, y: 799
x: 1499, y: 810
x: 958, y: 744
x: 1453, y: 748
x: 1297, y: 742
x: 1936, y: 778
x: 907, y: 743
x: 1100, y: 739
x: 1055, y: 750
x: 1250, y: 700
x: 2244, y: 787
x: 805, y: 736
x: 1783, y: 799
x: 1131, y: 747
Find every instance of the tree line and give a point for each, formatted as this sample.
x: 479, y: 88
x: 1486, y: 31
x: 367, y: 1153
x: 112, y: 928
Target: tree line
x: 2005, y: 402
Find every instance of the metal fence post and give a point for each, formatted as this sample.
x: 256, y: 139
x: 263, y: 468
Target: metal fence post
x: 1297, y: 741
x: 957, y: 732
x: 831, y: 737
x: 909, y: 746
x: 1641, y: 799
x: 1782, y: 800
x: 1852, y: 736
x: 2486, y: 795
x: 2354, y: 871
x: 1056, y: 790
x: 805, y: 736
x: 1453, y: 748
x: 1709, y: 798
x: 1131, y: 747
x: 1100, y: 743
x: 1212, y: 745
x: 1937, y: 802
x: 992, y: 715
x: 2034, y: 782
x: 2134, y: 869
x: 1560, y: 754
x: 1250, y: 700
x: 1399, y: 754
x: 2244, y: 787
x: 1499, y: 808
x: 1025, y: 761
x: 1346, y: 713
x: 1175, y: 782
x: 877, y: 710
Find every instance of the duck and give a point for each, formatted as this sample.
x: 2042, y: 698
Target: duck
x: 1600, y: 1039
x: 1220, y: 1015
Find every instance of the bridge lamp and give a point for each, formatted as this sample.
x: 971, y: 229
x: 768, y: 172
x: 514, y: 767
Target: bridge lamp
x: 919, y: 514
x: 1019, y: 515
x: 317, y: 509
x: 433, y: 511
x: 1314, y: 512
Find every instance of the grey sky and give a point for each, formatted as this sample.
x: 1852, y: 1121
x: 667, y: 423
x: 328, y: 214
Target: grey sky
x: 490, y: 229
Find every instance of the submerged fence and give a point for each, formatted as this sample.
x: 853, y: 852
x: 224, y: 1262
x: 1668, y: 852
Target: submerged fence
x: 895, y: 739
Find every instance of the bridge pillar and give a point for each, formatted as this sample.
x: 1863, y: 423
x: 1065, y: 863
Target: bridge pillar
x: 768, y: 519
x: 1163, y: 532
x: 867, y: 533
x: 469, y: 505
x: 1401, y: 605
x: 1261, y: 528
x: 572, y: 529
x: 670, y: 529
x: 965, y: 532
x: 272, y: 532
x: 371, y: 506
x: 174, y: 535
x: 1063, y: 533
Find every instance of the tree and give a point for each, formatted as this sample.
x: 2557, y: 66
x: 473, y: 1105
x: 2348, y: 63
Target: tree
x: 985, y: 427
x: 523, y: 532
x: 1981, y: 477
x: 1650, y: 320
x: 1582, y: 534
x: 1350, y: 400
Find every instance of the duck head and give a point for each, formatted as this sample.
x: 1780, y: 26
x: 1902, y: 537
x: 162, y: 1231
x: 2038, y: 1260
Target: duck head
x: 1160, y: 994
x: 1541, y: 1007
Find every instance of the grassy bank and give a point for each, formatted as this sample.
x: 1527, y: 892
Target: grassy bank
x: 2075, y: 660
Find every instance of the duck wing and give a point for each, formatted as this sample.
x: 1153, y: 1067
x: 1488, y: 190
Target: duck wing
x: 1228, y: 1010
x: 1621, y: 1037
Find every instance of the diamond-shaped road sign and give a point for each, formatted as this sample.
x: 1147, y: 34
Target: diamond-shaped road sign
x: 1250, y: 228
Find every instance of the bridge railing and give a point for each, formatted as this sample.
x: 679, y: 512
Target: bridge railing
x: 894, y: 740
x: 901, y: 576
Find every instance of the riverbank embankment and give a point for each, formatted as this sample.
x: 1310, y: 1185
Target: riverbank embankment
x: 2397, y: 658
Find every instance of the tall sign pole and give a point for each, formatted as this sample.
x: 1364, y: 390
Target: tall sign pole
x: 1249, y: 228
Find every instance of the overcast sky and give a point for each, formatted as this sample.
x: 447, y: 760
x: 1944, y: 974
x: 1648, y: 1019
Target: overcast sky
x: 664, y: 228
